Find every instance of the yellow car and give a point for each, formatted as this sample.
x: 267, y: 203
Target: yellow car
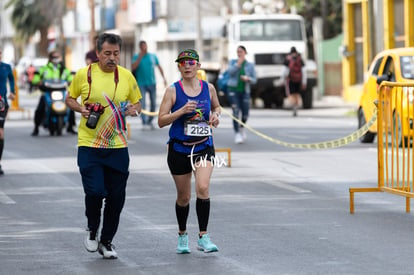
x: 395, y: 65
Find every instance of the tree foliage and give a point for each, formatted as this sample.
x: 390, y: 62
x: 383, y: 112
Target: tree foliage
x: 30, y: 16
x: 329, y: 10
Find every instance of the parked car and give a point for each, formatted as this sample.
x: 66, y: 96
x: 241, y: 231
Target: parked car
x: 395, y: 65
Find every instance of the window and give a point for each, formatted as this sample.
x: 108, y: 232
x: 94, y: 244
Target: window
x: 270, y: 30
x: 407, y: 67
x: 377, y: 66
x: 389, y: 69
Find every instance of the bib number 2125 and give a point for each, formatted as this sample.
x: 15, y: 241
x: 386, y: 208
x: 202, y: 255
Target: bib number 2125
x: 197, y: 129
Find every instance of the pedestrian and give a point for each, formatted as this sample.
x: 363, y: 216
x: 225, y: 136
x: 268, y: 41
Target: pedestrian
x: 90, y: 56
x: 294, y: 77
x: 6, y: 75
x: 30, y: 72
x: 54, y: 70
x: 192, y: 108
x: 241, y: 75
x: 143, y: 67
x: 108, y: 93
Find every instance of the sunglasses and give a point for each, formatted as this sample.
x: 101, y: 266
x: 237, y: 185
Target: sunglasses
x: 191, y: 62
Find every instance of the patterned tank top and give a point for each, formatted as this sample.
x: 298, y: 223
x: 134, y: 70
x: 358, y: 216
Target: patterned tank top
x: 191, y: 129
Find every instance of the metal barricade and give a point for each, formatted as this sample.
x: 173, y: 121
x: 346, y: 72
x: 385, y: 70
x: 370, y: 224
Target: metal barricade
x: 395, y: 142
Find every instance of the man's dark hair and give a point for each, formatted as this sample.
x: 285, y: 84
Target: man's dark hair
x: 110, y: 38
x: 142, y: 42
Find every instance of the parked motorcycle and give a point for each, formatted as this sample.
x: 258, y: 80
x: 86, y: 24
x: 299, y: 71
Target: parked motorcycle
x: 56, y: 112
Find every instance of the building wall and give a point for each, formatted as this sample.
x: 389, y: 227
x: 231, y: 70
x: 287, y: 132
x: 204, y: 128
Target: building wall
x: 6, y: 35
x: 331, y: 77
x: 174, y: 28
x: 370, y: 27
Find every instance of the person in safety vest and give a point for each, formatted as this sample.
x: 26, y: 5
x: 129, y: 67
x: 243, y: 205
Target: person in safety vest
x: 53, y: 70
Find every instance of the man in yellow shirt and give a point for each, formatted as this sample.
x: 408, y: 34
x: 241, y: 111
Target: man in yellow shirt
x: 108, y: 94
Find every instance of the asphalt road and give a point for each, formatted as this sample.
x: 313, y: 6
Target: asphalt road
x: 276, y: 210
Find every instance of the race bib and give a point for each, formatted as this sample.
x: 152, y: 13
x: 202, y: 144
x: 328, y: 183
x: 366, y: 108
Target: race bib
x: 197, y: 128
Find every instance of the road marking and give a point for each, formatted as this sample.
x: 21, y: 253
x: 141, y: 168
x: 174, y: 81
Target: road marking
x: 4, y: 199
x: 287, y: 186
x: 274, y: 182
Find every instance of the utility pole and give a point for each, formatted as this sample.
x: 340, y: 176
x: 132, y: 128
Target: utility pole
x: 62, y: 39
x: 103, y: 17
x: 324, y: 14
x: 92, y: 32
x: 235, y: 7
x: 199, y: 40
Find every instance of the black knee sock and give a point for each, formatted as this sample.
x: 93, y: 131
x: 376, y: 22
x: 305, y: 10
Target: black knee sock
x: 182, y: 215
x: 1, y: 147
x: 203, y: 213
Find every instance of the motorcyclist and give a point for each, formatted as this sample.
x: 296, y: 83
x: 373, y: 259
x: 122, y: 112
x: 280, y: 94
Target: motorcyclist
x: 53, y: 70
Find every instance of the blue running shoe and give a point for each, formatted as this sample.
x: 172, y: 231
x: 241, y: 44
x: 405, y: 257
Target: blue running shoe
x: 205, y: 244
x: 182, y: 247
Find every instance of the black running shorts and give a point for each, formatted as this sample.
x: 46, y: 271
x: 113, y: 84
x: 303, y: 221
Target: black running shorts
x: 181, y: 163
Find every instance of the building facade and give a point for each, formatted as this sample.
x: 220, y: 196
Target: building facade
x: 371, y: 26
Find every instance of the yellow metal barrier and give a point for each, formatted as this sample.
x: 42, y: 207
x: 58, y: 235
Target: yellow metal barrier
x: 395, y: 133
x: 15, y: 105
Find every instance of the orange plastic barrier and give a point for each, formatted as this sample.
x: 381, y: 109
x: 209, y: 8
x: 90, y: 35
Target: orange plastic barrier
x: 225, y: 150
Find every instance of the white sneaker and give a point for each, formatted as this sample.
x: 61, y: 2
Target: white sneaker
x: 243, y: 133
x: 238, y: 138
x: 107, y: 251
x: 91, y: 243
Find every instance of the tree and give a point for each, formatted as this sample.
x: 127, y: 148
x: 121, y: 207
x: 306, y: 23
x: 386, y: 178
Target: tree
x: 30, y: 16
x: 329, y: 10
x: 332, y: 21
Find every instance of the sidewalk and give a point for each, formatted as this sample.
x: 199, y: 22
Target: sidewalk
x: 333, y: 102
x: 332, y: 106
x: 27, y: 106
